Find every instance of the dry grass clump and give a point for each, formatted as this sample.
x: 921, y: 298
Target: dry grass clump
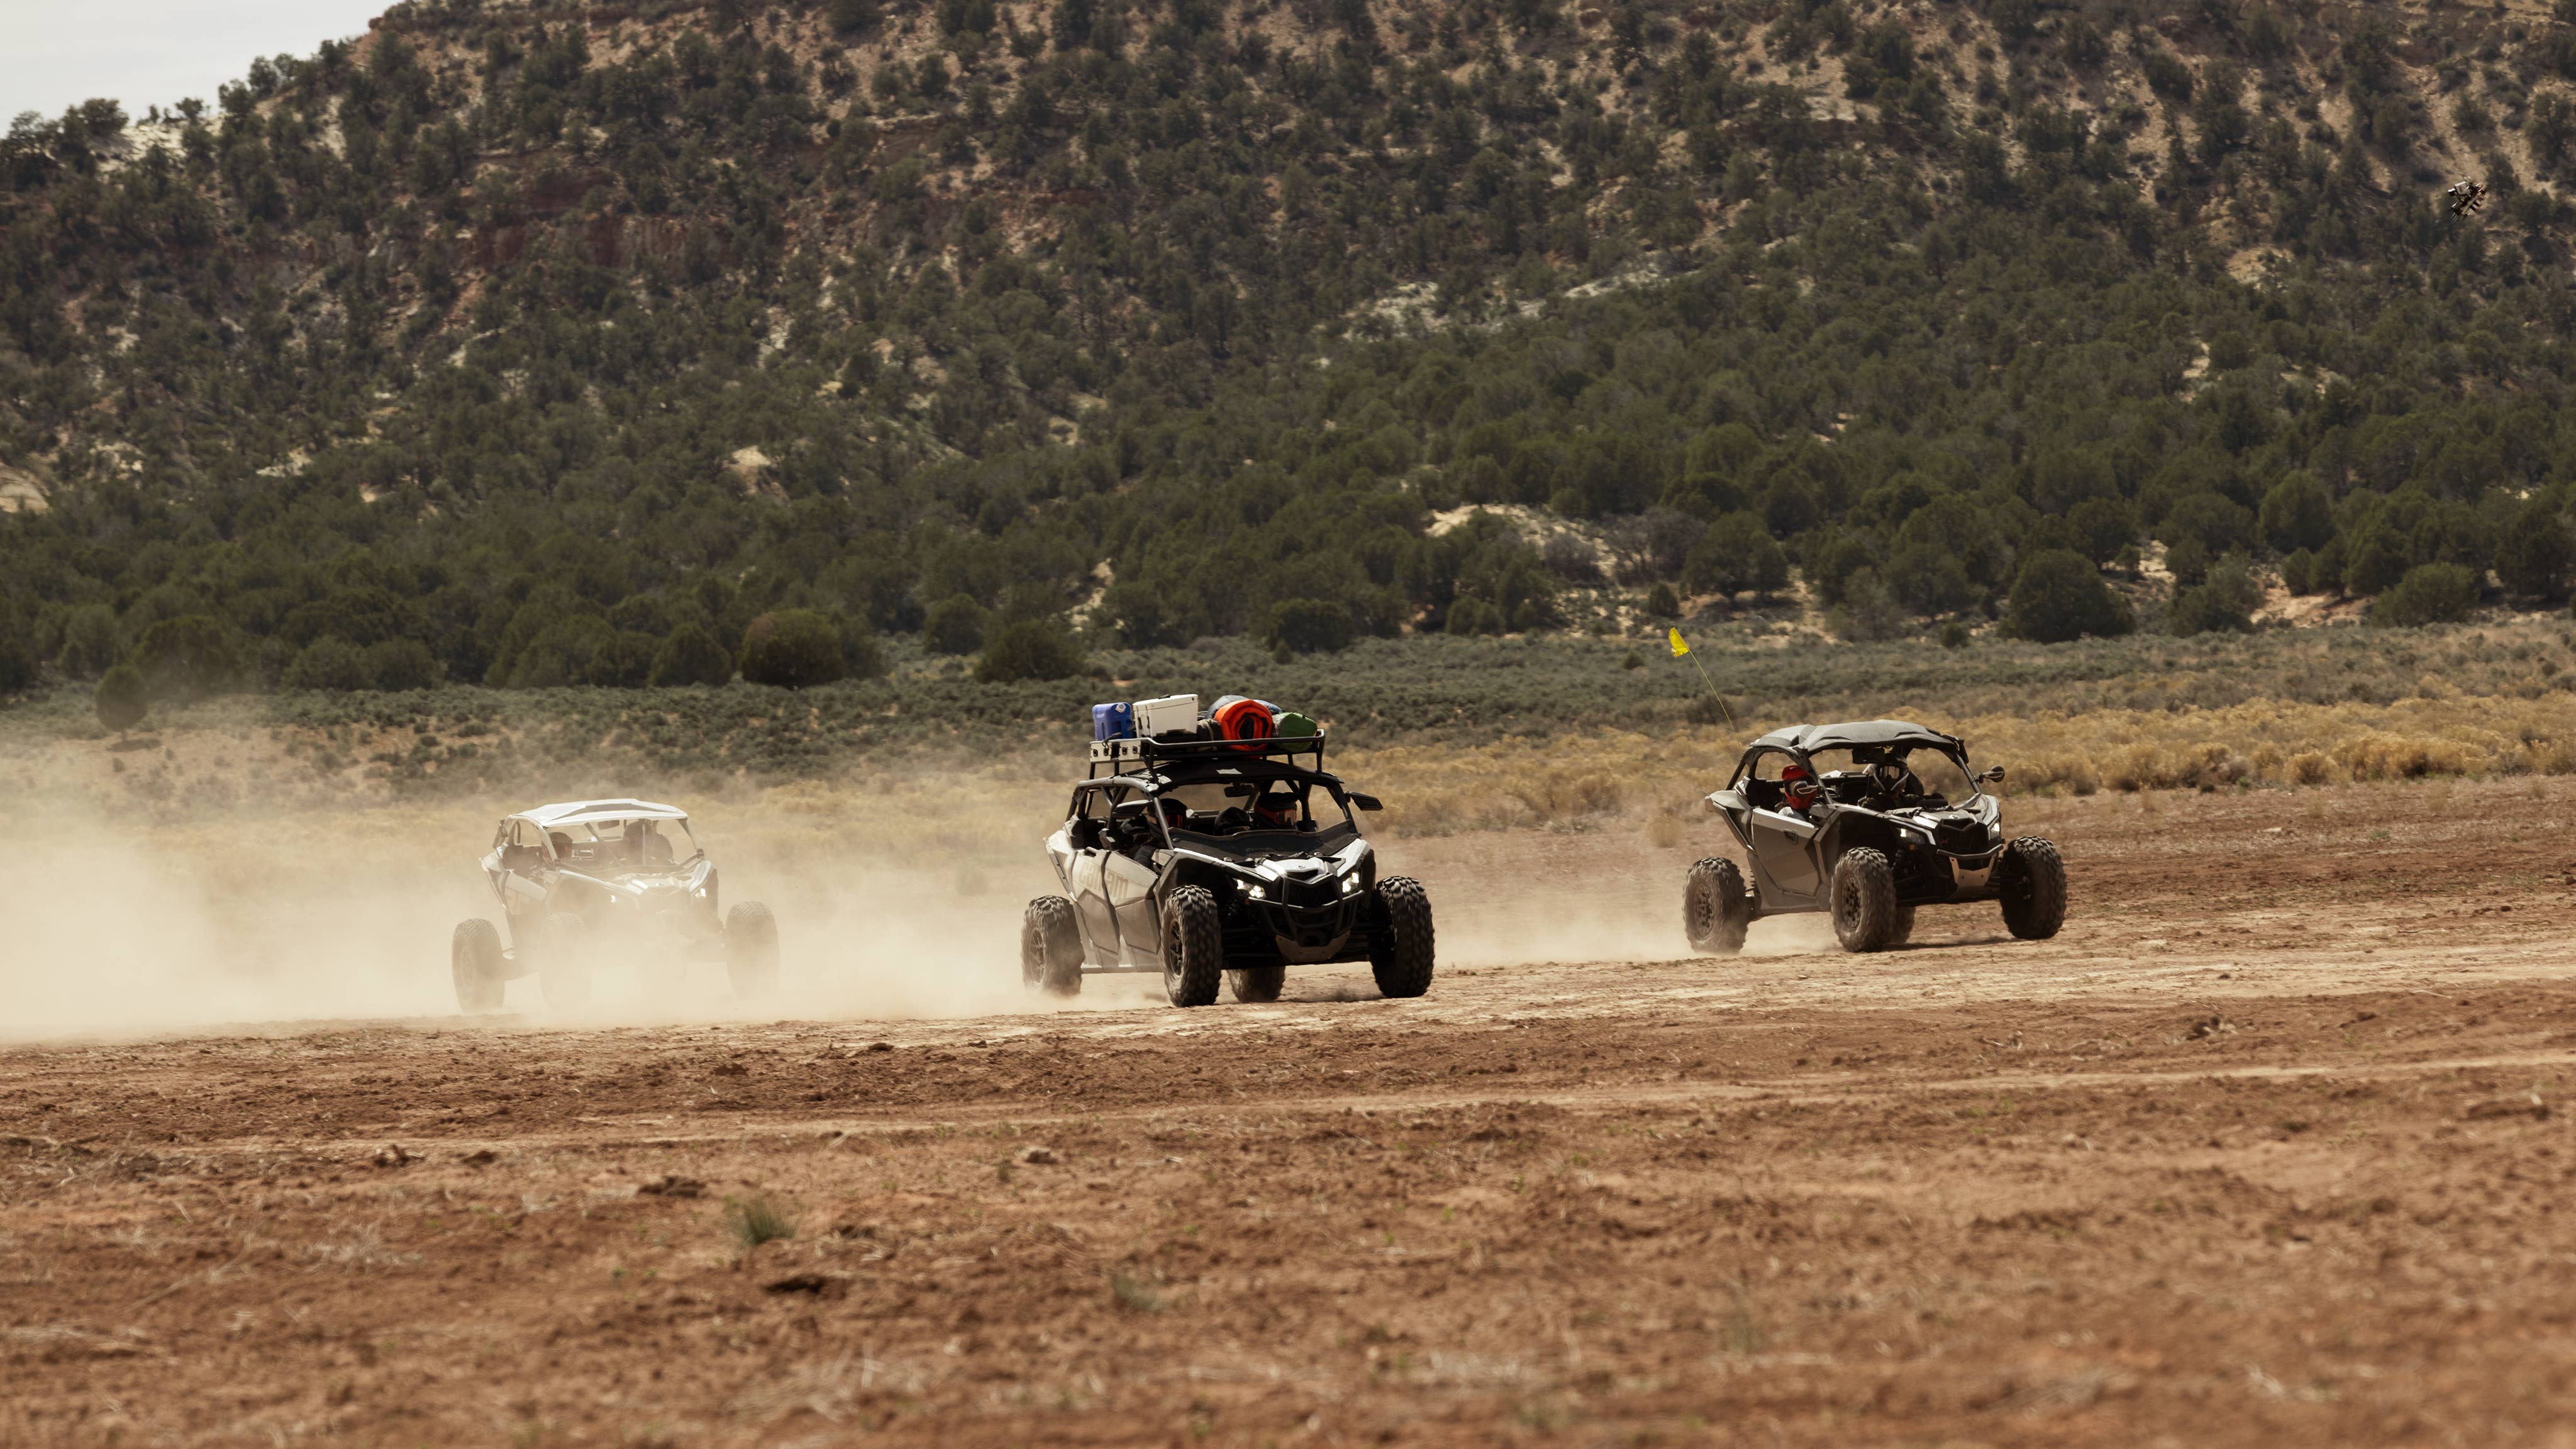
x: 1572, y: 780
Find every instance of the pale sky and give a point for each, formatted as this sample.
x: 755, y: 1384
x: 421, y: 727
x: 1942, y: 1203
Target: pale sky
x: 54, y: 53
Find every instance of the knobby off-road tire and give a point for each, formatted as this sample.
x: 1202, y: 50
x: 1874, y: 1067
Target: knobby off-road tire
x: 1400, y: 937
x: 1050, y: 947
x: 1903, y: 930
x: 1863, y: 896
x: 751, y: 950
x: 563, y: 961
x: 1715, y: 910
x: 1255, y: 984
x: 1193, y: 946
x: 2034, y: 888
x: 474, y: 959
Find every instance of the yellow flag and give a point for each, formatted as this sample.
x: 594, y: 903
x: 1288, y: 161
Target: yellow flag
x: 1679, y: 648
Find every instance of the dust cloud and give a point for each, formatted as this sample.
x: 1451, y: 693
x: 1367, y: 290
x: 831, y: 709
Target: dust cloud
x: 130, y: 928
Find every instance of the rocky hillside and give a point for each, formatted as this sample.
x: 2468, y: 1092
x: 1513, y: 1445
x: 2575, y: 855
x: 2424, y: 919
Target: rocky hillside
x: 513, y: 343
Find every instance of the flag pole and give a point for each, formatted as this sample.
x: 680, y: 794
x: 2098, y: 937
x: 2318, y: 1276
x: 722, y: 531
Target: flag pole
x: 1683, y: 651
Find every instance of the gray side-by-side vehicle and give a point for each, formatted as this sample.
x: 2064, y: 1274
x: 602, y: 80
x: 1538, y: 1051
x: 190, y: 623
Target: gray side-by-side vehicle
x: 592, y: 883
x: 1867, y: 822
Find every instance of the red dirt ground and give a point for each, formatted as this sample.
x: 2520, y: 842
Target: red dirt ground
x: 2267, y: 1148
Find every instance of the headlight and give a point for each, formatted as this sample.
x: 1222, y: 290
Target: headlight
x: 1254, y: 891
x: 1350, y: 884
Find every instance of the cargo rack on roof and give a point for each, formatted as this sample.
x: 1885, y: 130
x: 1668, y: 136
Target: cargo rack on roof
x: 1118, y: 754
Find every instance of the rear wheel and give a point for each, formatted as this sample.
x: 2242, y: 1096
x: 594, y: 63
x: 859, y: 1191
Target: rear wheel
x: 1715, y: 909
x: 1256, y: 984
x: 1864, y: 900
x: 1400, y: 938
x: 1050, y: 947
x: 474, y: 960
x: 1193, y: 946
x: 751, y: 949
x: 563, y: 961
x: 2033, y: 889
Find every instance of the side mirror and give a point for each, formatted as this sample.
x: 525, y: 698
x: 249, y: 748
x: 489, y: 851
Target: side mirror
x: 1365, y: 802
x: 1994, y: 775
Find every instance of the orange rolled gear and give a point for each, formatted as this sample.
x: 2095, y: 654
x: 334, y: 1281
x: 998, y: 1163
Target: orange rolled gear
x: 1245, y: 719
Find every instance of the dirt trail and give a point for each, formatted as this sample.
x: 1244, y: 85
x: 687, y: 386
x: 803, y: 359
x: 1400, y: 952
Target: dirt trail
x: 2268, y: 1147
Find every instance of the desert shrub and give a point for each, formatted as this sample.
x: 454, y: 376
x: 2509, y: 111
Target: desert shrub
x: 2103, y: 527
x: 1030, y: 649
x: 2535, y: 555
x: 122, y: 698
x: 394, y: 664
x: 2298, y: 513
x: 2058, y: 595
x: 690, y: 655
x: 1309, y: 626
x: 1928, y: 579
x: 327, y: 663
x: 792, y: 648
x: 1737, y: 553
x: 1662, y: 602
x: 1868, y: 610
x: 2437, y: 593
x: 89, y: 642
x: 2299, y: 572
x: 955, y: 625
x: 187, y: 657
x: 17, y: 650
x: 2225, y: 602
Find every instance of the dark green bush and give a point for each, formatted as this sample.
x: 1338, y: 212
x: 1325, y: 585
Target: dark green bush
x: 17, y: 650
x: 1309, y: 626
x: 329, y: 663
x: 394, y: 664
x: 1030, y: 649
x: 187, y: 657
x: 2437, y: 593
x: 2225, y: 601
x: 794, y: 648
x: 955, y: 625
x: 2299, y: 572
x: 2535, y: 555
x: 122, y: 698
x: 2058, y: 595
x: 89, y: 642
x: 690, y: 655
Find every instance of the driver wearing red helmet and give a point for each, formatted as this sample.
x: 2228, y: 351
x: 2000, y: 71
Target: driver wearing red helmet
x: 1799, y: 790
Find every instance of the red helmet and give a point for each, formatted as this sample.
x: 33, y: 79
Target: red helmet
x: 1793, y: 772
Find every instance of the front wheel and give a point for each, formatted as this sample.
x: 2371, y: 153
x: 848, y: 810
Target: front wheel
x: 2033, y: 889
x: 1193, y: 946
x: 1400, y: 938
x: 1255, y: 984
x: 1715, y: 909
x: 751, y: 950
x: 1903, y: 930
x: 1050, y: 947
x: 1864, y: 900
x: 474, y: 960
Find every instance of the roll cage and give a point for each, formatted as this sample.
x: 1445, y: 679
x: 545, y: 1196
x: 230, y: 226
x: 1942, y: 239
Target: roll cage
x: 1883, y: 780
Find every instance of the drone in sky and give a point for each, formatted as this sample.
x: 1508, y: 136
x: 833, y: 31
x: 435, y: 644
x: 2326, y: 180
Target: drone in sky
x: 2466, y: 197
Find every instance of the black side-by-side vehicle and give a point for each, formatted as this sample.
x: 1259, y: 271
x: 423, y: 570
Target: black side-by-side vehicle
x: 1898, y: 823
x: 1209, y: 858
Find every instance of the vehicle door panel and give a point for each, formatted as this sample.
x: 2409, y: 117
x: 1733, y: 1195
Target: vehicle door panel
x: 1130, y: 884
x: 1784, y: 861
x: 1091, y: 904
